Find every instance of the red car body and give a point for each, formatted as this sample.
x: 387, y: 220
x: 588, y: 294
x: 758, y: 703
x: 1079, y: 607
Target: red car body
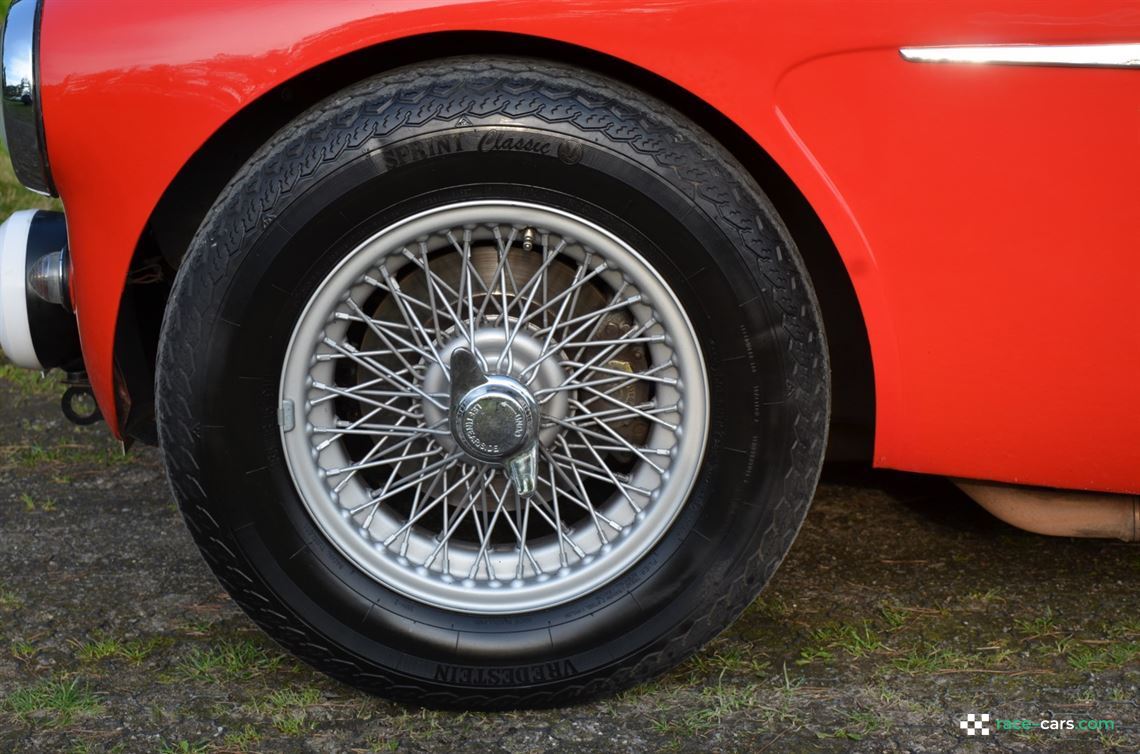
x: 987, y: 216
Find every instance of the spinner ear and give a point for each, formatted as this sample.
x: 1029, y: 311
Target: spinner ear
x: 466, y: 373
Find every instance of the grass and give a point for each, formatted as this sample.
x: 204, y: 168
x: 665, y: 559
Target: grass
x: 893, y: 615
x: 289, y: 709
x: 1035, y: 628
x: 809, y: 655
x: 702, y: 708
x: 858, y: 724
x: 30, y: 383
x: 839, y: 636
x: 13, y: 196
x: 734, y: 660
x: 772, y: 607
x: 1103, y: 656
x: 53, y: 701
x: 88, y: 747
x: 715, y: 705
x: 232, y: 659
x: 1060, y: 646
x: 9, y: 600
x: 99, y: 649
x: 857, y: 641
x: 23, y: 650
x: 1119, y: 694
x: 929, y: 658
x: 1112, y: 741
x: 240, y: 741
x: 183, y: 747
x: 987, y: 597
x: 34, y: 455
x: 1130, y: 627
x: 109, y: 648
x: 32, y: 504
x: 931, y: 651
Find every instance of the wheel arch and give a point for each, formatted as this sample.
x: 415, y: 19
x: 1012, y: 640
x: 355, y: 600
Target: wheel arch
x: 189, y: 196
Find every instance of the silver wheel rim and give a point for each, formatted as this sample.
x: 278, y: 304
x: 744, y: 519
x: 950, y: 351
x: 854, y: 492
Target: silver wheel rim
x: 591, y: 333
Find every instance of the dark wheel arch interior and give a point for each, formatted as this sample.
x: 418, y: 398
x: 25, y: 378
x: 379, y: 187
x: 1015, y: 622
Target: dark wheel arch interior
x: 193, y: 191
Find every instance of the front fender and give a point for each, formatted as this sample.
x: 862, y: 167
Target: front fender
x: 132, y: 90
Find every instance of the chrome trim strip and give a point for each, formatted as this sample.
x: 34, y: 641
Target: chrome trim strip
x: 20, y: 96
x: 1084, y: 56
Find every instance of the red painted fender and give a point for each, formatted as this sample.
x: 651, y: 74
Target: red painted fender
x: 986, y: 215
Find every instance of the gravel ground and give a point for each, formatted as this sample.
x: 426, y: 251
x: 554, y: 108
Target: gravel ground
x: 901, y: 608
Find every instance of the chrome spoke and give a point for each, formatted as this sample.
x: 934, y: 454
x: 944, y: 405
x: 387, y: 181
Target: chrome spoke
x: 647, y: 411
x: 412, y: 320
x: 549, y: 350
x: 484, y: 532
x: 384, y: 335
x: 579, y: 485
x: 557, y: 317
x: 628, y: 379
x: 615, y: 342
x: 622, y: 486
x: 597, y: 315
x: 598, y: 323
x: 601, y: 472
x: 544, y: 510
x: 613, y: 435
x: 445, y: 536
x: 361, y: 389
x: 437, y: 293
x: 610, y: 350
x: 620, y: 448
x: 377, y: 448
x: 440, y: 498
x: 562, y: 296
x: 379, y: 352
x: 379, y: 369
x: 373, y: 429
x: 530, y: 289
x: 430, y: 289
x: 631, y: 377
x: 368, y: 401
x: 623, y: 412
x: 465, y: 283
x: 337, y: 435
x: 382, y: 287
x: 407, y: 483
x: 420, y: 493
x: 383, y: 462
x: 392, y: 475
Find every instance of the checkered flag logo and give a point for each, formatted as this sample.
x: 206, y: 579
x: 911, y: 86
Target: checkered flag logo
x: 975, y: 724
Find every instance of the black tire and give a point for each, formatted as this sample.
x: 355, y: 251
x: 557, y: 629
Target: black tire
x: 407, y: 140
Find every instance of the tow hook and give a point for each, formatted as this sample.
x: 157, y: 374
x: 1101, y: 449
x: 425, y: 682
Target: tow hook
x: 78, y: 402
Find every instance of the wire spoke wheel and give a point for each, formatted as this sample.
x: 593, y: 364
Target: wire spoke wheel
x: 553, y: 475
x: 493, y: 383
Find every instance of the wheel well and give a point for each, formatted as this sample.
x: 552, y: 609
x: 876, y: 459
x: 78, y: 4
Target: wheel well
x: 193, y: 191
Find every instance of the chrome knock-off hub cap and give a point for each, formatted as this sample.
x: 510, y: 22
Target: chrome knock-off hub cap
x: 495, y: 420
x: 493, y: 407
